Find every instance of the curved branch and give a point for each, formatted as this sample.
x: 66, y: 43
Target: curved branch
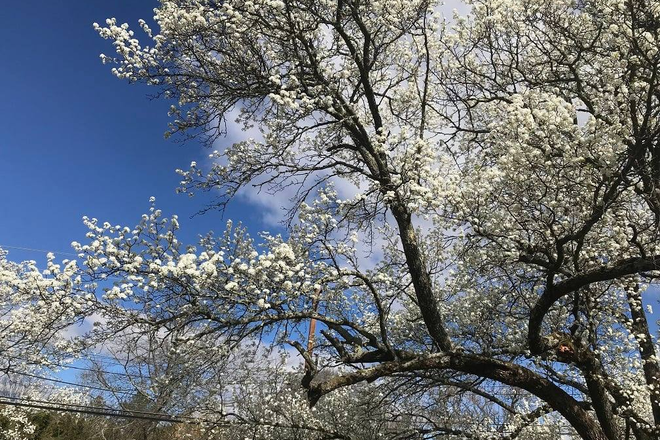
x: 501, y: 371
x: 628, y: 266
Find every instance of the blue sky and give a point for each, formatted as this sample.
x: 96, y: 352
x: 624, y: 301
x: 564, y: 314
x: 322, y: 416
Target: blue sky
x: 78, y: 141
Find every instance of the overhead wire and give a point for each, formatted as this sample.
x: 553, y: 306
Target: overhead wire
x: 44, y: 251
x: 65, y: 382
x: 54, y: 405
x: 94, y: 410
x: 124, y: 392
x: 92, y: 370
x: 91, y: 387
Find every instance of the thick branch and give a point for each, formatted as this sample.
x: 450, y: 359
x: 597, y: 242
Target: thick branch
x: 420, y: 277
x: 619, y: 269
x: 497, y: 370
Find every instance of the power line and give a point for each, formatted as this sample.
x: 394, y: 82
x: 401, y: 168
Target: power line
x: 79, y: 385
x: 50, y: 364
x: 163, y: 417
x: 94, y: 410
x: 104, y: 407
x: 43, y: 251
x: 101, y: 371
x: 57, y: 405
x: 64, y: 382
x: 93, y: 370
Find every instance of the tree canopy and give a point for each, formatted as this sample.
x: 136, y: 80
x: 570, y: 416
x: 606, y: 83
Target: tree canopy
x: 504, y: 168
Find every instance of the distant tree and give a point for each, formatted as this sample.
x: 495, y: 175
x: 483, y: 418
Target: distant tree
x: 524, y: 138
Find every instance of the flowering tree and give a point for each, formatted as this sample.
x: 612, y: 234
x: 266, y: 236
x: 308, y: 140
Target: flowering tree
x: 524, y: 138
x: 36, y: 309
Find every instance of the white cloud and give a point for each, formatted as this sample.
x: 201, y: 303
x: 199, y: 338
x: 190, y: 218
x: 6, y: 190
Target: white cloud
x: 84, y: 327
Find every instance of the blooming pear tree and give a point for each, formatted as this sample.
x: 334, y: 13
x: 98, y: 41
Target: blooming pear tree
x: 36, y: 308
x: 524, y: 138
x: 187, y: 336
